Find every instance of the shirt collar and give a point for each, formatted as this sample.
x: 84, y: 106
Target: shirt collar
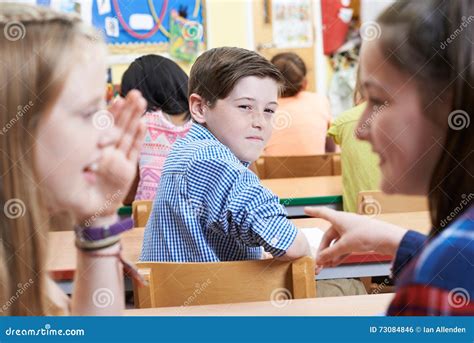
x: 198, y: 132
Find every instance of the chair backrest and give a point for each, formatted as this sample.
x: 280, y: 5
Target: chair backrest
x: 187, y: 284
x: 273, y: 167
x: 141, y: 212
x: 376, y: 202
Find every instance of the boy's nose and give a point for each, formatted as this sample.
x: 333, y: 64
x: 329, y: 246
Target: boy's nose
x: 257, y: 120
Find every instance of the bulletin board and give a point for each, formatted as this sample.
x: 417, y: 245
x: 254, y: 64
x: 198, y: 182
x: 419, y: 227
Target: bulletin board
x: 136, y: 26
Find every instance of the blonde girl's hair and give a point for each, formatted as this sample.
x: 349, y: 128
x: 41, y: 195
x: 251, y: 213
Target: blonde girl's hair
x: 37, y: 47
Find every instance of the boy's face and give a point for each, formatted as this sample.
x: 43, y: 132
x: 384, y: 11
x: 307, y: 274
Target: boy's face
x: 243, y: 120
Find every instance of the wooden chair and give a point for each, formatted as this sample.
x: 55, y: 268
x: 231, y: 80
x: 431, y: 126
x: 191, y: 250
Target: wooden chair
x: 141, y: 212
x: 188, y: 284
x: 376, y: 202
x: 272, y: 167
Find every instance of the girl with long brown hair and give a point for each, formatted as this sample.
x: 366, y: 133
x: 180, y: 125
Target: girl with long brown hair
x: 62, y: 154
x: 420, y: 63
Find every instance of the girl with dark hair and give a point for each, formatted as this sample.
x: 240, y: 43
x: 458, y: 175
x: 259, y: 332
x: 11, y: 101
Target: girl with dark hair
x: 165, y: 87
x: 419, y: 75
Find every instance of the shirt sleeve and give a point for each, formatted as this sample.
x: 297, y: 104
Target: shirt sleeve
x: 333, y: 132
x: 411, y: 244
x: 233, y: 202
x: 426, y: 300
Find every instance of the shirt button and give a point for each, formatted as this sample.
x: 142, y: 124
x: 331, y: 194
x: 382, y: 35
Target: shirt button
x: 274, y: 240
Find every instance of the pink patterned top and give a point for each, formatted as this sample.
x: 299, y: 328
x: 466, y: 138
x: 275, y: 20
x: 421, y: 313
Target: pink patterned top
x: 159, y: 137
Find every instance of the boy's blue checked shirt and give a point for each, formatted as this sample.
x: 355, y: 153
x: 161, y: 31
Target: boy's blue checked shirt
x: 210, y: 207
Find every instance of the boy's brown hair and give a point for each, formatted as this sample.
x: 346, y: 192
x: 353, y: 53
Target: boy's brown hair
x: 216, y: 72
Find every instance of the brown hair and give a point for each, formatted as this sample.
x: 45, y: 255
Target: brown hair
x: 216, y: 72
x: 37, y: 46
x: 293, y: 70
x: 431, y: 42
x: 358, y: 96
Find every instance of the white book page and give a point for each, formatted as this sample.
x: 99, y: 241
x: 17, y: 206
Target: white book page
x: 314, y: 236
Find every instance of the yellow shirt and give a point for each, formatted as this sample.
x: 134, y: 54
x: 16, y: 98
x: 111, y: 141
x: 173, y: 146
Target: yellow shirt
x: 360, y: 166
x: 300, y: 126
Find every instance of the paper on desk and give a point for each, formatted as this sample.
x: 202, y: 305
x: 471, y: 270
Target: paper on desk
x: 314, y: 236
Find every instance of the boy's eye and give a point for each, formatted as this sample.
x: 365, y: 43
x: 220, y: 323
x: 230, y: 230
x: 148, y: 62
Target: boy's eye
x: 245, y: 107
x: 269, y: 110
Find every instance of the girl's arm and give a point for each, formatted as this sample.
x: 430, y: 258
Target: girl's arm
x: 98, y: 281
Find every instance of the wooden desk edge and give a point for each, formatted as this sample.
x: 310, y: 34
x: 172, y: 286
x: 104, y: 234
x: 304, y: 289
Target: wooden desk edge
x: 358, y: 305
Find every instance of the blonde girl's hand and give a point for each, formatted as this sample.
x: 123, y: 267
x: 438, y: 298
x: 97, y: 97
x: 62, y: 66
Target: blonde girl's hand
x: 120, y: 151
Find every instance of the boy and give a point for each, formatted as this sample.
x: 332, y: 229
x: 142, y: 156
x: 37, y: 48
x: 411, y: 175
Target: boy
x: 209, y: 206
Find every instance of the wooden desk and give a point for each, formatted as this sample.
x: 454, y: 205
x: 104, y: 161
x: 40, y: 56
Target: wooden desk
x: 297, y: 192
x: 62, y: 253
x: 359, y: 305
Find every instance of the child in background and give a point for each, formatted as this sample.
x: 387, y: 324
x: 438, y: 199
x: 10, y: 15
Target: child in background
x: 165, y: 87
x: 209, y: 206
x: 305, y: 116
x: 61, y: 152
x: 360, y: 165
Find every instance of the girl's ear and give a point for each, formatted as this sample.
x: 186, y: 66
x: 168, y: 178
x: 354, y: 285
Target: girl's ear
x: 196, y: 107
x: 304, y: 84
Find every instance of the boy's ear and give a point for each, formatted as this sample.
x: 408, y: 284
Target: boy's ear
x: 196, y: 107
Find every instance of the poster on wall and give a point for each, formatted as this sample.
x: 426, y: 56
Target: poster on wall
x: 131, y: 22
x: 292, y: 23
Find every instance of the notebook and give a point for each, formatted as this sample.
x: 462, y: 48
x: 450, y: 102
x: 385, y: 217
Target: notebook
x: 314, y: 236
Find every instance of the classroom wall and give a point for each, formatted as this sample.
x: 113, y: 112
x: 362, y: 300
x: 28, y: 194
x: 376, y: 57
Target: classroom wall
x: 228, y: 23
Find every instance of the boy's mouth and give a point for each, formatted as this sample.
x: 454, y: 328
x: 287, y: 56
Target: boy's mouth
x: 255, y: 138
